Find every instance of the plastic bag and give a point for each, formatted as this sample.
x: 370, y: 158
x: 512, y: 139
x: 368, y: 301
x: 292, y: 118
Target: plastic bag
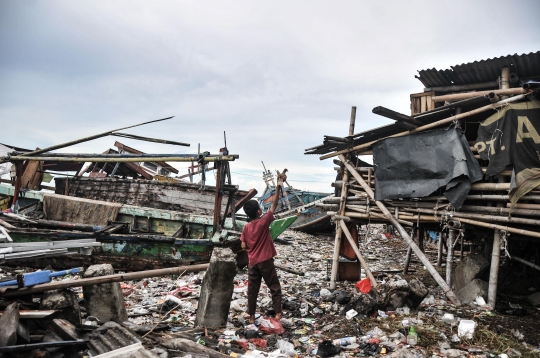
x: 259, y: 342
x: 286, y: 347
x: 271, y: 326
x: 239, y: 305
x: 364, y: 285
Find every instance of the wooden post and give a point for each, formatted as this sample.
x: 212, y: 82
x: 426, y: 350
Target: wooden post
x: 494, y: 270
x: 409, y: 250
x: 439, y: 249
x: 450, y: 255
x: 358, y: 254
x: 353, y: 120
x: 421, y: 236
x: 337, y: 241
x: 461, y: 248
x: 19, y: 169
x: 447, y: 290
x: 342, y: 207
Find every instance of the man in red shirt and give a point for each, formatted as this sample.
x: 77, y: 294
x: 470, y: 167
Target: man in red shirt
x: 257, y: 241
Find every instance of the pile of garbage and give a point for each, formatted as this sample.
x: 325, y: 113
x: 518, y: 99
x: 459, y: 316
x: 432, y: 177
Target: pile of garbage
x: 404, y: 316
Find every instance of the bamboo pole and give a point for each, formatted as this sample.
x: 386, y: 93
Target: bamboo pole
x: 107, y: 155
x: 447, y: 290
x: 367, y: 215
x: 450, y: 255
x: 427, y: 126
x: 471, y: 208
x: 58, y: 285
x: 86, y: 139
x: 525, y: 262
x: 466, y: 95
x: 483, y: 217
x: 501, y: 211
x: 125, y: 160
x: 147, y: 139
x: 494, y: 270
x: 358, y: 254
x: 479, y: 223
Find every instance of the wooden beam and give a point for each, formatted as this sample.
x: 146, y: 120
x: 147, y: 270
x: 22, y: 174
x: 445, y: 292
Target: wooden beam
x: 9, y: 322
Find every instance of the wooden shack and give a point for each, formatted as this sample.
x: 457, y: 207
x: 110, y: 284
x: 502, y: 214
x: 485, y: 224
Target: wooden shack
x: 465, y: 162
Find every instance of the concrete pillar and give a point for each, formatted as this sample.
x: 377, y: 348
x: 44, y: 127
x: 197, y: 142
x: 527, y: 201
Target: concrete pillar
x: 104, y: 301
x: 65, y: 301
x: 217, y: 289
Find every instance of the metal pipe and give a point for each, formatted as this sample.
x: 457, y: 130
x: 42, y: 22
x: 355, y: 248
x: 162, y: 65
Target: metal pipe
x: 427, y: 126
x: 404, y: 235
x: 460, y: 96
x: 125, y: 160
x: 494, y: 270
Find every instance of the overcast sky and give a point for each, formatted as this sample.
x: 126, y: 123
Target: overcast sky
x: 275, y: 75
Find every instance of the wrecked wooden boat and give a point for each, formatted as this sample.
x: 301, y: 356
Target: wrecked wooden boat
x: 134, y: 238
x: 137, y: 238
x: 309, y: 217
x: 167, y: 195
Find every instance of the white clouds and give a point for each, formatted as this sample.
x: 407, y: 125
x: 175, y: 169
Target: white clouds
x: 276, y: 75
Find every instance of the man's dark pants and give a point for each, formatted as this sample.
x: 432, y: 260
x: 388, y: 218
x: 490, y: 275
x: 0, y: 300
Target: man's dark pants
x: 267, y: 271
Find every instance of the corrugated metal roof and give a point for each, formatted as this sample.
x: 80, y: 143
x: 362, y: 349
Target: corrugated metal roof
x: 525, y: 66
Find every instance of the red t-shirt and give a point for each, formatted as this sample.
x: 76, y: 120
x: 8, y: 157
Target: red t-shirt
x: 256, y: 235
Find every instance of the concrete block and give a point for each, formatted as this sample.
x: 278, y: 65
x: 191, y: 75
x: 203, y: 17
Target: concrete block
x: 105, y: 301
x: 468, y: 269
x: 474, y: 289
x: 418, y: 292
x: 66, y: 301
x: 217, y: 289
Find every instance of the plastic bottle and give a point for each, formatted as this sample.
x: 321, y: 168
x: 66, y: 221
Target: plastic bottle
x: 304, y: 309
x: 344, y: 341
x: 412, y: 337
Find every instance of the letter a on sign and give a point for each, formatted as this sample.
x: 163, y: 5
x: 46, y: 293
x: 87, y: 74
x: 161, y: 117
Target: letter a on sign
x: 531, y: 132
